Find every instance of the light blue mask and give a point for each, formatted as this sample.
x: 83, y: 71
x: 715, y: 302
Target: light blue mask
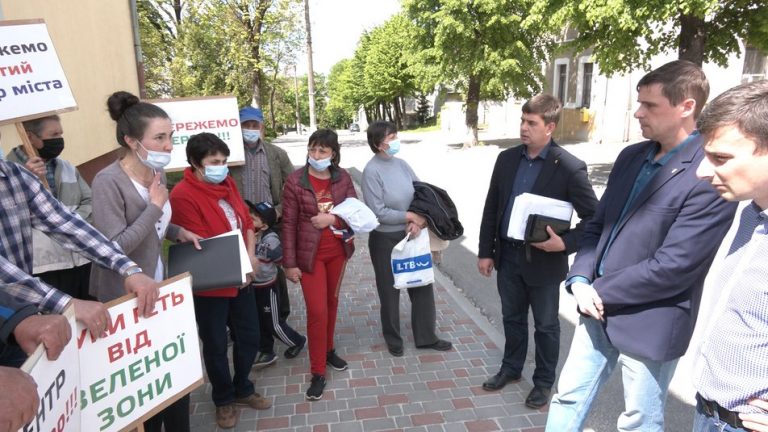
x: 394, y: 147
x: 320, y: 165
x: 215, y: 173
x: 251, y: 135
x: 155, y: 159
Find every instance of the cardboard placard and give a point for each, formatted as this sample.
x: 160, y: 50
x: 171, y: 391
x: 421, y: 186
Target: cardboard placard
x: 32, y: 81
x: 57, y: 386
x: 144, y: 364
x: 218, y: 115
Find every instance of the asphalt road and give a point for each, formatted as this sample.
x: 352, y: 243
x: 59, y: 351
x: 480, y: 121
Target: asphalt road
x: 464, y: 173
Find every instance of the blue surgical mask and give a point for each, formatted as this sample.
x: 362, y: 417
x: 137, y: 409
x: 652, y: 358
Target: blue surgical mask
x: 394, y: 147
x: 251, y: 135
x: 320, y: 165
x: 155, y: 160
x: 215, y: 173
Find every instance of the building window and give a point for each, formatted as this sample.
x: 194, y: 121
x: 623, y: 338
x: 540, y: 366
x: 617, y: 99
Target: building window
x: 586, y: 84
x: 562, y: 76
x: 754, y: 65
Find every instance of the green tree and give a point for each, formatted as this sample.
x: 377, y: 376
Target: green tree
x: 626, y: 34
x: 341, y: 107
x: 487, y: 48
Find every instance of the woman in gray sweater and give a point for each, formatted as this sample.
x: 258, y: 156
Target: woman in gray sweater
x: 388, y: 191
x: 130, y: 207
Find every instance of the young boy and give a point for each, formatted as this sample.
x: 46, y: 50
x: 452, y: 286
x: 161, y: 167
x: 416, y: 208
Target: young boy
x: 269, y: 251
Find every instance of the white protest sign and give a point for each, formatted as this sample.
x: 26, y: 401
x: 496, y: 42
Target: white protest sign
x: 57, y: 386
x: 143, y: 364
x: 218, y: 115
x: 32, y: 81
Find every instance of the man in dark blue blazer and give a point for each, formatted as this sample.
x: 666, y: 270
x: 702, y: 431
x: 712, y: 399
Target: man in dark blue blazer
x: 529, y: 275
x: 639, y: 271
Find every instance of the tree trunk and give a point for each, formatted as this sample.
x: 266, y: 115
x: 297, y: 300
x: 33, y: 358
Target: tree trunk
x: 398, y: 114
x: 272, y: 101
x: 692, y: 39
x: 310, y: 70
x: 473, y: 100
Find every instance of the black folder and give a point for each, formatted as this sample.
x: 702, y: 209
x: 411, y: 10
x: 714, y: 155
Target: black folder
x: 536, y: 228
x: 216, y: 266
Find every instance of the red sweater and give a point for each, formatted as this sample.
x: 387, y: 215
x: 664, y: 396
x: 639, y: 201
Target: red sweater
x: 195, y: 205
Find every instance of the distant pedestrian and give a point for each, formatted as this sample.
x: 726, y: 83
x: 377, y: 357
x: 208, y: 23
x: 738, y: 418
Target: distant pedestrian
x: 731, y: 363
x: 316, y: 247
x: 642, y: 260
x: 529, y: 275
x: 388, y: 192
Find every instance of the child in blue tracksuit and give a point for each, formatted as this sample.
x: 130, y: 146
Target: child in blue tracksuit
x: 269, y: 251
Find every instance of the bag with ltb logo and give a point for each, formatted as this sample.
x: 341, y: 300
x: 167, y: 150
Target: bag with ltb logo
x: 412, y: 262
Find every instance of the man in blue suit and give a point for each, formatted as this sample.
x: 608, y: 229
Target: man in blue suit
x: 639, y: 271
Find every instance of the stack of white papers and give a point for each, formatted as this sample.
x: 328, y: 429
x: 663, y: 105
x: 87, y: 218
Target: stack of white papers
x: 527, y: 204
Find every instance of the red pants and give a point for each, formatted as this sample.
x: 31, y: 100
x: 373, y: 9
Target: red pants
x: 321, y: 297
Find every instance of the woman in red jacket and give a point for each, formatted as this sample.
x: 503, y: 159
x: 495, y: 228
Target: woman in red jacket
x: 317, y: 245
x: 208, y: 203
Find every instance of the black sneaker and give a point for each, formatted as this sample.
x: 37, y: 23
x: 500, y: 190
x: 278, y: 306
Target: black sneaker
x: 293, y: 351
x: 316, y: 386
x: 335, y: 361
x: 264, y: 359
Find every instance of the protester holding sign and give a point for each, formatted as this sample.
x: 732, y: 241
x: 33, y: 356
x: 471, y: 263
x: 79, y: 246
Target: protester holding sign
x: 317, y: 245
x: 25, y: 204
x: 64, y: 269
x: 207, y: 202
x: 388, y: 191
x: 130, y: 206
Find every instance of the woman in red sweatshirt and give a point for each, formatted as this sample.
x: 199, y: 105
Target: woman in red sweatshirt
x: 208, y: 203
x: 317, y: 245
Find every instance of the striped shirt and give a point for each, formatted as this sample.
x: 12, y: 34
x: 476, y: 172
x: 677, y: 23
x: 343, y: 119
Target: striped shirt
x: 25, y: 204
x: 256, y: 175
x: 732, y: 362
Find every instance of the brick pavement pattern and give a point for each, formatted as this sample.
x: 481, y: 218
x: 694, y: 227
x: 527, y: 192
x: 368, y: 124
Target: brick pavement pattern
x: 423, y: 391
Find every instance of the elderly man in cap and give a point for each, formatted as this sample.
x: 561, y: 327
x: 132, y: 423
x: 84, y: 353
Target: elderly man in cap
x: 261, y: 179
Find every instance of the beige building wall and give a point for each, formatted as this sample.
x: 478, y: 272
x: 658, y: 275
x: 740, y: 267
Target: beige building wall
x: 94, y: 41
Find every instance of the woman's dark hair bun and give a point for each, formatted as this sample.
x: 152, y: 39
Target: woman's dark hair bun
x: 120, y: 101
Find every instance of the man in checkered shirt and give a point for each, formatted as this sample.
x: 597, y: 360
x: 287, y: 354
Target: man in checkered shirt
x: 731, y: 365
x: 25, y: 204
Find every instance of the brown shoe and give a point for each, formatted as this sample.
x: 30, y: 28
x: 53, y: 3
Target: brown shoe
x: 226, y: 416
x: 255, y: 401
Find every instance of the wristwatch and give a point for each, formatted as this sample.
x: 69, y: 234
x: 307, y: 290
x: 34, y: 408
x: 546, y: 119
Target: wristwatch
x: 132, y: 271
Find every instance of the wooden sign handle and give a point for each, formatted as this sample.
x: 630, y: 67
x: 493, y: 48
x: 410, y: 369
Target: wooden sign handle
x: 30, y: 150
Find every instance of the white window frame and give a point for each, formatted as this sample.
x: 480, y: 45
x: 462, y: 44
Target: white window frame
x: 556, y: 82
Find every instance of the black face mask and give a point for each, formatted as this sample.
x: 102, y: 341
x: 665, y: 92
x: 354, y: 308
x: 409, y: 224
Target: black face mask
x: 52, y: 148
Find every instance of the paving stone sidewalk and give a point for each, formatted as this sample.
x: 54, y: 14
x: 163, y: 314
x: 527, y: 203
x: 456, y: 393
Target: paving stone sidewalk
x: 424, y: 390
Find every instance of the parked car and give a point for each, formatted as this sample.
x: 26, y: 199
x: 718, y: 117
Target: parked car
x: 354, y: 127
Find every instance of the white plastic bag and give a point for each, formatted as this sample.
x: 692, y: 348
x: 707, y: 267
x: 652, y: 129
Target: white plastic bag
x: 412, y: 262
x: 357, y: 215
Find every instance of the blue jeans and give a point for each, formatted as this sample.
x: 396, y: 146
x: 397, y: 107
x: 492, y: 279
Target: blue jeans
x: 703, y: 423
x: 213, y: 315
x: 544, y: 301
x: 589, y: 365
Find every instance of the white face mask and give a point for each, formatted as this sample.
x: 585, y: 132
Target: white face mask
x: 155, y: 159
x: 251, y: 135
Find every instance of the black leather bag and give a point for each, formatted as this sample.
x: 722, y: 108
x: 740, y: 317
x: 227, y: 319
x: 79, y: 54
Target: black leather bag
x: 536, y: 228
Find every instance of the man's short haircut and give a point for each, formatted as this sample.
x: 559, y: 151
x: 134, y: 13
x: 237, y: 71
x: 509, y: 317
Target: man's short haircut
x: 204, y: 144
x: 680, y: 80
x: 744, y: 106
x: 377, y: 132
x: 547, y: 106
x: 36, y: 126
